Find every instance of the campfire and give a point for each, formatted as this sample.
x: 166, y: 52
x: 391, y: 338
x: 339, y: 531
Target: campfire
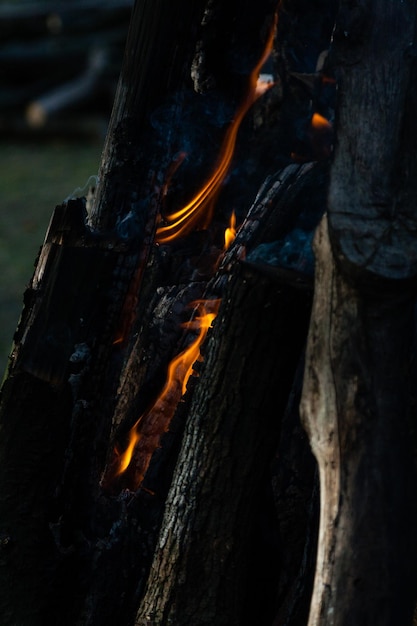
x: 145, y: 435
x: 171, y: 314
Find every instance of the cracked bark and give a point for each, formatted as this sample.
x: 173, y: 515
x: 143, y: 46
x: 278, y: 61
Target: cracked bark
x: 358, y: 401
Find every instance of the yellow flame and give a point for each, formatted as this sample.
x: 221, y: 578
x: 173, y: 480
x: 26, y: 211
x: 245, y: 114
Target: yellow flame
x: 182, y: 221
x: 230, y: 233
x: 125, y: 458
x: 152, y: 424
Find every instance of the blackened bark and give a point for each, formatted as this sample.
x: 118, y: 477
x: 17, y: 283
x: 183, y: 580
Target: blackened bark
x: 99, y: 336
x: 34, y: 434
x: 296, y: 491
x: 201, y: 572
x: 61, y: 334
x: 159, y: 49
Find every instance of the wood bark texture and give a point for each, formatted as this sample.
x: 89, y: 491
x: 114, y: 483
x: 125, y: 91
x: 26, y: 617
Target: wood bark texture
x: 130, y: 161
x: 103, y: 319
x: 358, y: 403
x: 374, y: 177
x: 200, y: 571
x: 61, y: 333
x: 358, y: 411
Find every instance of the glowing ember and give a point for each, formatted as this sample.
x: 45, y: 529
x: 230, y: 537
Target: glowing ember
x: 199, y: 211
x: 230, y: 233
x: 144, y: 436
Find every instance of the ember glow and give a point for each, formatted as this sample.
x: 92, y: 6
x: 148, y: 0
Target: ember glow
x: 199, y: 211
x: 144, y: 436
x: 230, y: 233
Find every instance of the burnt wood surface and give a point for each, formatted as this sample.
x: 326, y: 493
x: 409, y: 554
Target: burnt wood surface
x: 62, y: 340
x: 102, y: 321
x: 208, y: 533
x: 129, y: 162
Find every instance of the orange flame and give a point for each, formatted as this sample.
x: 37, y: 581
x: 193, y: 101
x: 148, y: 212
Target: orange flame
x: 183, y: 220
x: 319, y: 122
x: 145, y: 434
x: 230, y: 233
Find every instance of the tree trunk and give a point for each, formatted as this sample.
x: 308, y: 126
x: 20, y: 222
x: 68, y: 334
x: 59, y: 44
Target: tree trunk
x: 358, y: 399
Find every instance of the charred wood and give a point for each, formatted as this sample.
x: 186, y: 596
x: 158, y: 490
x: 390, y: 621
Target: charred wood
x: 99, y: 340
x: 64, y: 339
x: 297, y: 500
x: 232, y: 416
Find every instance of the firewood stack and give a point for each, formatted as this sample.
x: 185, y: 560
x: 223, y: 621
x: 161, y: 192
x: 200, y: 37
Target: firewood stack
x: 212, y: 479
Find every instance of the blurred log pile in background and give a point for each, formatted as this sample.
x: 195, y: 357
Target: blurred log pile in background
x: 59, y: 64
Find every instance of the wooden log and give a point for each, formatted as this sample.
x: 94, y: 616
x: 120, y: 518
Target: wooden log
x: 140, y: 380
x: 357, y: 399
x: 297, y: 500
x: 70, y: 94
x: 371, y: 204
x: 152, y: 44
x: 66, y: 332
x: 211, y: 544
x: 106, y: 540
x: 356, y: 407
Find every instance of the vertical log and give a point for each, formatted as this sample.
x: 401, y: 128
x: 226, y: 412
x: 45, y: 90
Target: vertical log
x: 356, y: 408
x: 159, y: 49
x: 200, y: 572
x: 357, y: 403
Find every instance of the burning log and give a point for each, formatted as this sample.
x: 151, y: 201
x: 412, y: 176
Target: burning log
x: 94, y: 348
x: 233, y: 416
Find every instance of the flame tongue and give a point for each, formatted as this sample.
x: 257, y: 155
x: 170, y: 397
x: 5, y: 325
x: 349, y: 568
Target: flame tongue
x: 319, y: 122
x: 230, y: 233
x: 145, y: 434
x: 198, y: 212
